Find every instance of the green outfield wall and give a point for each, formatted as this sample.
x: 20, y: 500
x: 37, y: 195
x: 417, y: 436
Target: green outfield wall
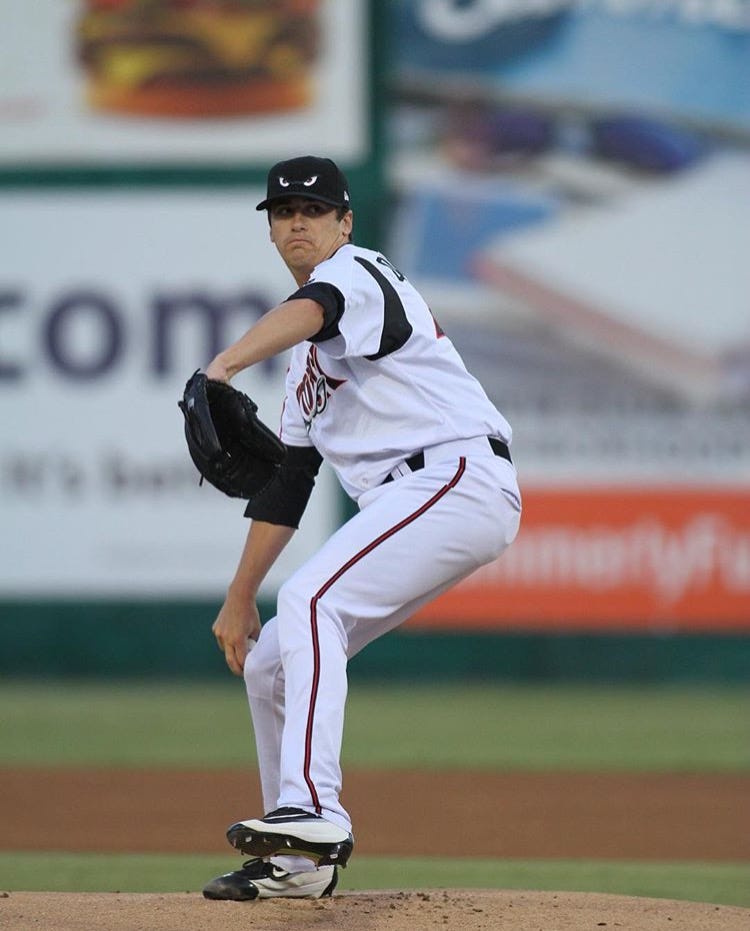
x: 173, y: 639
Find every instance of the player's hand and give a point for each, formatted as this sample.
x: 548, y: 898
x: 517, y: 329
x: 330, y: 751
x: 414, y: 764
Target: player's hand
x: 237, y: 624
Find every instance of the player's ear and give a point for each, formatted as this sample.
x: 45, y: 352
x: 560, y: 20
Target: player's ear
x: 270, y: 226
x: 347, y: 223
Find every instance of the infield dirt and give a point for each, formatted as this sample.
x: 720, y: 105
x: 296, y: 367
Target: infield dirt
x: 655, y: 816
x: 487, y: 814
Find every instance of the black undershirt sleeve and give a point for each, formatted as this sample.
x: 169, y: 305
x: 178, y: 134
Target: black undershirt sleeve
x: 330, y: 299
x: 284, y: 500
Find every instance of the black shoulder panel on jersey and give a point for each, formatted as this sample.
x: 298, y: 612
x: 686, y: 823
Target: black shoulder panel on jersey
x: 396, y: 327
x: 330, y: 299
x: 284, y: 500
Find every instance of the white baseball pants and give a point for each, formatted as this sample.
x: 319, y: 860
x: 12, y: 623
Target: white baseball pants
x: 413, y: 538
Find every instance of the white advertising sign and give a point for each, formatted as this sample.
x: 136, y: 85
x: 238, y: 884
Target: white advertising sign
x: 211, y: 82
x: 108, y: 303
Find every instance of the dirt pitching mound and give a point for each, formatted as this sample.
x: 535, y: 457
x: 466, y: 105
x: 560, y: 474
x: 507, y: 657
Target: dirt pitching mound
x: 460, y: 909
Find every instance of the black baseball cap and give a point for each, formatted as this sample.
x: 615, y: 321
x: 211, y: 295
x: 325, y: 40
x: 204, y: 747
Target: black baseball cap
x: 307, y: 176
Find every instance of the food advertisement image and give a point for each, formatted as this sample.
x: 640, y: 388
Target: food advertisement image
x: 201, y: 58
x: 180, y: 82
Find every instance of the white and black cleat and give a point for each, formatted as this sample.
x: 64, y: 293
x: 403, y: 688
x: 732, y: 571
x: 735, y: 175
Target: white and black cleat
x: 257, y: 879
x: 293, y: 832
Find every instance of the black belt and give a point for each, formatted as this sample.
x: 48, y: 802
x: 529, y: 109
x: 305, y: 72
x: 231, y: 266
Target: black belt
x: 416, y: 462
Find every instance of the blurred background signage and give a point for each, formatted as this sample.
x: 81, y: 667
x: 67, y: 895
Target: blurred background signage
x: 571, y: 184
x: 112, y: 292
x: 565, y: 181
x: 215, y: 82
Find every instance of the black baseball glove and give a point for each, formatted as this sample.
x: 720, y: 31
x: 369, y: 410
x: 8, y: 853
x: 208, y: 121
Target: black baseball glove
x: 229, y: 444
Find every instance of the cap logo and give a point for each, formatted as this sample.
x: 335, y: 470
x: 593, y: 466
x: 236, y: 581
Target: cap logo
x: 308, y: 183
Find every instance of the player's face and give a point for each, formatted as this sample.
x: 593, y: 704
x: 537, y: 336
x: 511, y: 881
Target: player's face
x: 306, y: 232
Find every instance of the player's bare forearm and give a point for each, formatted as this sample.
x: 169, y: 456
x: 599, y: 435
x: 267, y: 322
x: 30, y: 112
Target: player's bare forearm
x: 263, y: 546
x: 238, y: 620
x: 280, y: 329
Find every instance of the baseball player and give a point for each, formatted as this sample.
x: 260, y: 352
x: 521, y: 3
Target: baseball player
x: 376, y: 389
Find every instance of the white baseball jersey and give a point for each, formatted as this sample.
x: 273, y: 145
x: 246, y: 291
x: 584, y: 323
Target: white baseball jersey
x: 381, y: 381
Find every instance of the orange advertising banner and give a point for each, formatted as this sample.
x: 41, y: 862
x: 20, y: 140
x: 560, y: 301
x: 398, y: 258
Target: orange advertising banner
x: 601, y: 559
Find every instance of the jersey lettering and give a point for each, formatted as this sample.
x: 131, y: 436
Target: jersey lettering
x: 315, y: 388
x: 382, y: 260
x: 396, y: 326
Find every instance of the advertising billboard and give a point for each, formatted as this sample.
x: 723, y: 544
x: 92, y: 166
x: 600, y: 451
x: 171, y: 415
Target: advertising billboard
x: 570, y: 182
x: 210, y: 82
x: 128, y: 260
x: 109, y: 301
